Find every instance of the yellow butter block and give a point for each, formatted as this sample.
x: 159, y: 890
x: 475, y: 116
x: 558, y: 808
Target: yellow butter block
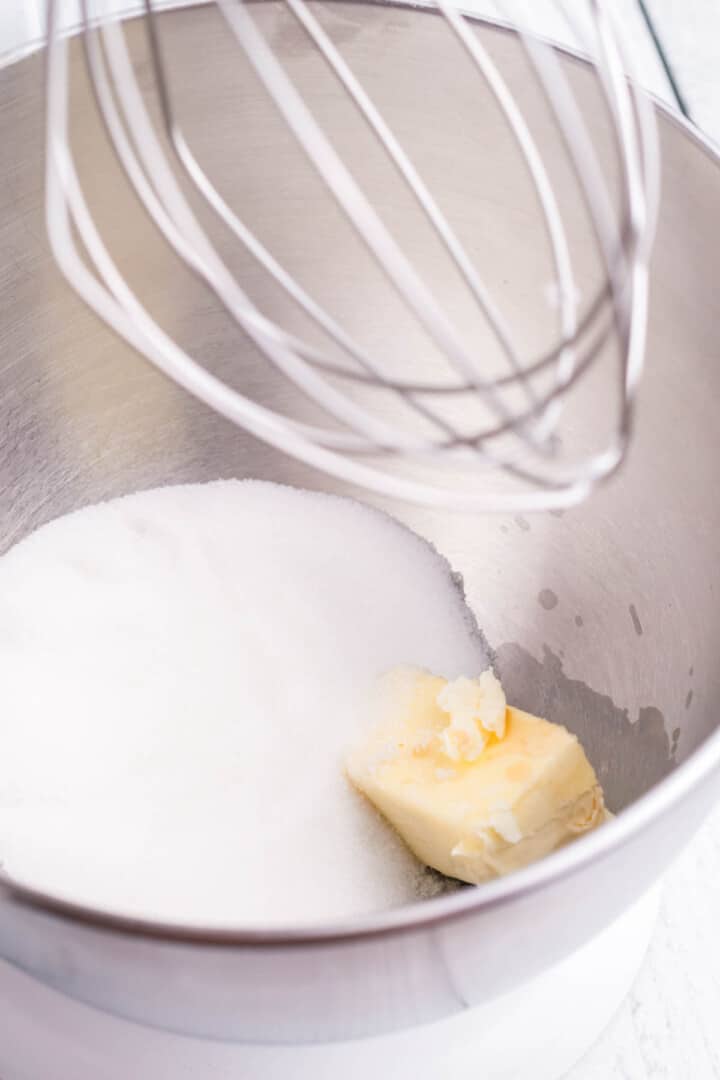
x: 476, y: 789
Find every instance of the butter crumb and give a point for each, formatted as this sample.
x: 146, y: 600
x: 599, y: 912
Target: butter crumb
x: 477, y: 709
x: 504, y: 822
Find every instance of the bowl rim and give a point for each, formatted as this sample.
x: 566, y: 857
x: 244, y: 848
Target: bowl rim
x: 425, y: 914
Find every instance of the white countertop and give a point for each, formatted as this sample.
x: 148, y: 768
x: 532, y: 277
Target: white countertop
x: 669, y: 1026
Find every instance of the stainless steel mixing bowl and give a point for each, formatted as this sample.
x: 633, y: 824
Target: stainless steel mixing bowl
x: 606, y: 618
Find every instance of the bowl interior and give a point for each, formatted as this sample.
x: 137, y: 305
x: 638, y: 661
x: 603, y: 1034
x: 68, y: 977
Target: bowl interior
x: 604, y: 618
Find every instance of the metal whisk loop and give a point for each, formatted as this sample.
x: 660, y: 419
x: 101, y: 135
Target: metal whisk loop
x: 515, y: 440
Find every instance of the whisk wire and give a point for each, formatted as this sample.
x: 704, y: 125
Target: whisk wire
x: 538, y: 477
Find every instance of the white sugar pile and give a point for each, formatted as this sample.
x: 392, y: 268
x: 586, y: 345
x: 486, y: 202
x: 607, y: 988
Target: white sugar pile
x: 180, y: 673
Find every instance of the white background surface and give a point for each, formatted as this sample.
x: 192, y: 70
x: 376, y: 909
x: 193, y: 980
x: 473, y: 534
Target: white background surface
x: 669, y: 1027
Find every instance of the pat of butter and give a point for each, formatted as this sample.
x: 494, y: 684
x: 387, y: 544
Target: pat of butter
x: 476, y: 789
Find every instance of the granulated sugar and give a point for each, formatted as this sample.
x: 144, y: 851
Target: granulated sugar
x: 181, y: 673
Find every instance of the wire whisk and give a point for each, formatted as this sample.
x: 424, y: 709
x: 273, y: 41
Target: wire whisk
x: 505, y: 454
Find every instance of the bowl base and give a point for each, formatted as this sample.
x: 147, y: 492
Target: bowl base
x: 538, y: 1031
